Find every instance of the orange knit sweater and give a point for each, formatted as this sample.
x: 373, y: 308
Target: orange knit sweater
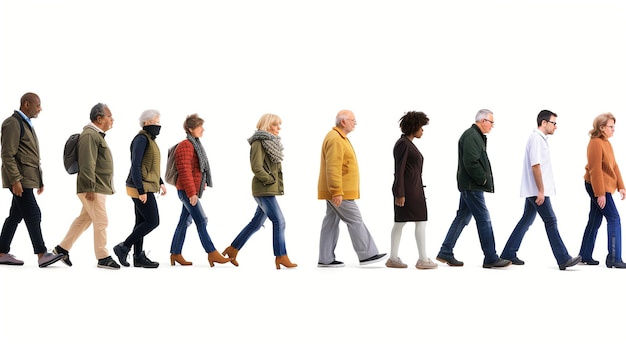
x: 601, y: 170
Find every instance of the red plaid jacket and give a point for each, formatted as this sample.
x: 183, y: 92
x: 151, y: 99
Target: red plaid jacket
x: 188, y: 166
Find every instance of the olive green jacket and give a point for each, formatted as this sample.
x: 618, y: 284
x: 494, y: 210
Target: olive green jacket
x: 268, y: 176
x: 95, y: 163
x: 20, y: 155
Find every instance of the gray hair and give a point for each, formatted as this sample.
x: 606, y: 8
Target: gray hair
x: 148, y: 115
x: 97, y: 111
x: 483, y: 114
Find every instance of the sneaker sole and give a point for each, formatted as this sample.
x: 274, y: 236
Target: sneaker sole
x: 373, y: 261
x: 12, y: 263
x: 330, y: 265
x: 107, y: 267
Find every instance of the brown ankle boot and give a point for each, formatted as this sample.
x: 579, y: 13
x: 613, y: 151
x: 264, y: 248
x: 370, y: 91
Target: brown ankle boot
x: 284, y: 260
x: 180, y: 259
x: 214, y: 256
x: 232, y: 253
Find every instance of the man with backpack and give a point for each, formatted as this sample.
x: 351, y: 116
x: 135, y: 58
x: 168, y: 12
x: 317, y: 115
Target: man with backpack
x: 93, y: 183
x: 21, y: 174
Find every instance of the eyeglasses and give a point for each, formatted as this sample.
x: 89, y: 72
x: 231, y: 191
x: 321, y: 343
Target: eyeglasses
x: 553, y: 122
x: 490, y: 121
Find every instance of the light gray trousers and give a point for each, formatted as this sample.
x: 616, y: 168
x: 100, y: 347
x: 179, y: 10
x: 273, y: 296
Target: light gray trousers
x: 349, y: 213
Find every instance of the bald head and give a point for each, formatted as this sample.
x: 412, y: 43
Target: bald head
x: 30, y: 105
x: 345, y: 121
x: 341, y: 115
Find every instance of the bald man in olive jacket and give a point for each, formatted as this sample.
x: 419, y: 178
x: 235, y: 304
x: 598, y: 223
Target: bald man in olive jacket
x: 21, y: 174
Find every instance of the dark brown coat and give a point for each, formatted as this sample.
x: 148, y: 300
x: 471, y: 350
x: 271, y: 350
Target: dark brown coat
x: 408, y: 182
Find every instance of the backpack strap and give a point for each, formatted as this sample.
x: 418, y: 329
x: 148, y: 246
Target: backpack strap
x: 21, y: 120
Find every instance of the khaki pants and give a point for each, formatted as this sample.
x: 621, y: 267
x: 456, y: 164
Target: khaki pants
x: 92, y: 212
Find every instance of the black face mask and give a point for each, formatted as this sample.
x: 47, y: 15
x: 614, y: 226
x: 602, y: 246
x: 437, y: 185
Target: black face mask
x: 152, y: 129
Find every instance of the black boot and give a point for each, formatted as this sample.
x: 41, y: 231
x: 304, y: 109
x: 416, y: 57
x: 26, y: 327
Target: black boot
x: 610, y: 258
x: 142, y: 260
x: 121, y: 252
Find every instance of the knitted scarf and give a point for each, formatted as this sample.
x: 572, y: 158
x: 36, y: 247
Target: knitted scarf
x: 204, y: 163
x: 271, y: 144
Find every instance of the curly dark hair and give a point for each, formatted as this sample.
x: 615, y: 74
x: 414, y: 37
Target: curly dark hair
x: 412, y: 121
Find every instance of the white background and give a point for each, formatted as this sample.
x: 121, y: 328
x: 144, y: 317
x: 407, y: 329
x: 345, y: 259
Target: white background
x: 232, y: 61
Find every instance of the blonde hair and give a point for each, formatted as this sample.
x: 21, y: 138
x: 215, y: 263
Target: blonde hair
x: 268, y: 120
x: 600, y: 121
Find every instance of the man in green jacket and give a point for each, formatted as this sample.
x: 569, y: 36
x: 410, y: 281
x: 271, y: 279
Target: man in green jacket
x: 21, y: 174
x: 93, y: 183
x: 474, y: 178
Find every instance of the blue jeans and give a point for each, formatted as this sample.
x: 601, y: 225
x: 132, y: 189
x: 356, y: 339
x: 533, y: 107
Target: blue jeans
x: 23, y: 207
x: 549, y: 219
x: 472, y: 203
x: 267, y: 208
x: 614, y: 227
x: 188, y: 213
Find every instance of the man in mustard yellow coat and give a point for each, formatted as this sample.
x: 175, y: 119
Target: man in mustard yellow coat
x: 338, y: 184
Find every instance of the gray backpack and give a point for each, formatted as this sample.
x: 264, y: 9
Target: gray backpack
x: 171, y: 173
x: 70, y: 154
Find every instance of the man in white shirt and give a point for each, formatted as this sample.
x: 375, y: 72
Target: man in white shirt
x: 537, y: 187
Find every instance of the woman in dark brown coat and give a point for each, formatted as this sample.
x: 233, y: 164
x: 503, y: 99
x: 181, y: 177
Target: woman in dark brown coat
x: 408, y: 190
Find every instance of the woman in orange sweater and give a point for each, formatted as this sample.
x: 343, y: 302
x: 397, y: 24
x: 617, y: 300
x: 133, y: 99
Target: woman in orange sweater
x: 602, y: 178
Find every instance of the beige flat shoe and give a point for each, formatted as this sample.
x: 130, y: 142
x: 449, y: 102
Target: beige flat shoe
x: 425, y: 264
x: 395, y: 263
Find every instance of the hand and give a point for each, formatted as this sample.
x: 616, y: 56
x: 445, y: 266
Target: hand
x: 602, y: 201
x: 622, y: 193
x: 17, y: 189
x: 540, y: 199
x: 40, y: 190
x: 400, y: 201
x: 193, y: 200
x: 90, y: 196
x: 163, y: 189
x: 143, y: 198
x: 337, y: 200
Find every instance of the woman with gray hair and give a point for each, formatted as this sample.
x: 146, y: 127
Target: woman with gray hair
x: 144, y: 179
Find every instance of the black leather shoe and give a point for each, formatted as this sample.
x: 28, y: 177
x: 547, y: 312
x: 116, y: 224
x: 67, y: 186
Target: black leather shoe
x: 571, y: 262
x: 611, y: 263
x: 590, y: 262
x: 515, y: 261
x: 499, y: 263
x: 449, y: 260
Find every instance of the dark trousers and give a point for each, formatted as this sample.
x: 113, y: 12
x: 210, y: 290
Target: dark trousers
x: 146, y: 220
x: 23, y: 207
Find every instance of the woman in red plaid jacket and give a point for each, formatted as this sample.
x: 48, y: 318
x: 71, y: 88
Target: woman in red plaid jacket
x: 194, y: 174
